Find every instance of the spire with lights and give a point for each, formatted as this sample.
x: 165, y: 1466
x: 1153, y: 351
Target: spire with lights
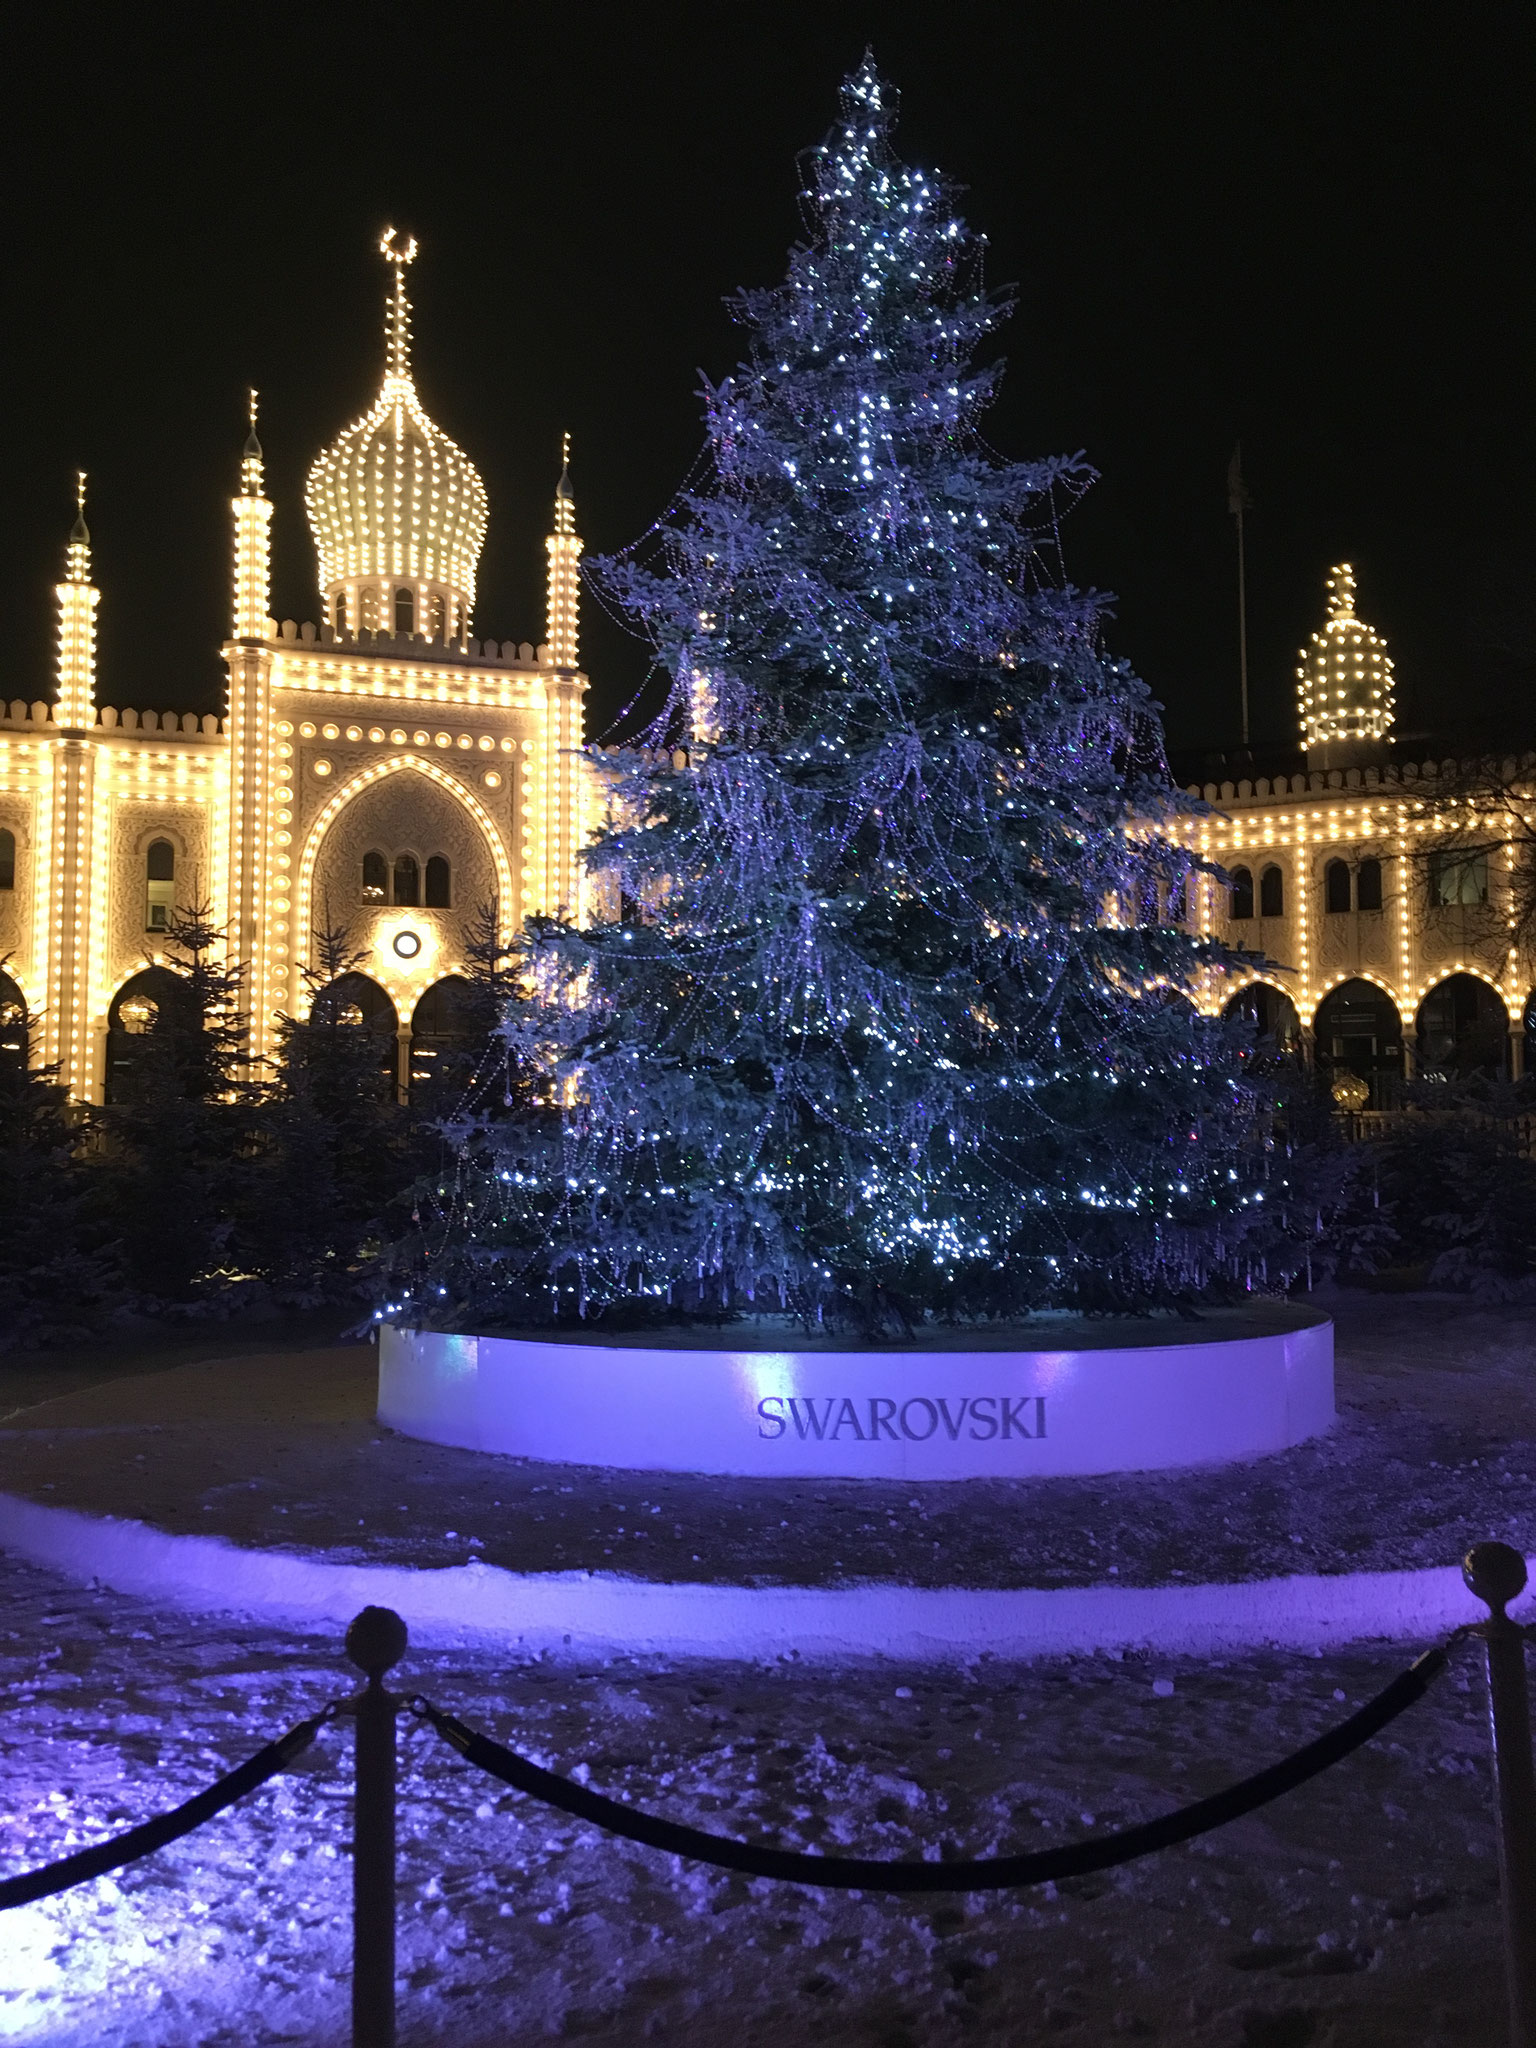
x: 398, y: 511
x: 1344, y: 682
x: 252, y: 511
x: 564, y: 571
x: 78, y: 598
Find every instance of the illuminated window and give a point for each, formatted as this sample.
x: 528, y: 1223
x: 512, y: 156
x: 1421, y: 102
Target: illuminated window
x: 7, y: 859
x: 375, y: 877
x: 438, y: 882
x: 1242, y: 892
x: 405, y: 612
x: 1458, y: 878
x: 1368, y: 885
x: 1336, y: 885
x: 407, y: 878
x: 341, y: 612
x: 1271, y: 893
x: 159, y: 886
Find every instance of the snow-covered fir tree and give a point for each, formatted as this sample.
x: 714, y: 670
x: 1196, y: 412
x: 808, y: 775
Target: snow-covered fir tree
x: 884, y: 1019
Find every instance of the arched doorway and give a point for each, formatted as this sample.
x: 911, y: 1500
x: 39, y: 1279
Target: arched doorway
x: 1357, y: 1031
x: 14, y: 1027
x: 354, y: 1002
x: 1271, y: 1013
x: 1463, y: 1028
x: 443, y: 1032
x: 131, y: 1021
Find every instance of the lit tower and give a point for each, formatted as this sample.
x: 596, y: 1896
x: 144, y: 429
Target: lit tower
x: 1344, y: 684
x: 564, y: 783
x: 564, y: 573
x: 398, y: 510
x: 78, y: 598
x: 242, y: 868
x: 253, y: 520
x: 70, y: 866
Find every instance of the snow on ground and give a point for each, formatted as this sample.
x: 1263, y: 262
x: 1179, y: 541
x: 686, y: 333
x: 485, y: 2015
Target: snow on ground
x: 1359, y: 1911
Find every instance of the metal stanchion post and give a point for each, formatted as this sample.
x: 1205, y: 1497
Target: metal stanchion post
x: 375, y: 1641
x: 1496, y: 1574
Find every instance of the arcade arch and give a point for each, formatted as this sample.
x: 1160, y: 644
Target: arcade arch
x: 1357, y: 1030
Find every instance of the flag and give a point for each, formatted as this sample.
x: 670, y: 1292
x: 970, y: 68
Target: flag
x: 1238, y: 500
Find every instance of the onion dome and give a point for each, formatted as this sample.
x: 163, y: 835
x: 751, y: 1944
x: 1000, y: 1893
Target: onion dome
x: 398, y: 511
x: 1344, y: 678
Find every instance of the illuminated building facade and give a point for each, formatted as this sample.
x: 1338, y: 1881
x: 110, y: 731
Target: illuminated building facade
x: 1392, y: 940
x: 381, y: 771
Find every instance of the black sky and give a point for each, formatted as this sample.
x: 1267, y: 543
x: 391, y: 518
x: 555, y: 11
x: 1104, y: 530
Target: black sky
x: 1308, y: 226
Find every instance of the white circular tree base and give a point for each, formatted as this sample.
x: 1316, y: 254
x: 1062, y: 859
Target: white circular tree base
x: 1231, y: 1387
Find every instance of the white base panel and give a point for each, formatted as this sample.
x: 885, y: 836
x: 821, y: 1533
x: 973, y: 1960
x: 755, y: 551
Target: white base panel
x: 979, y: 1413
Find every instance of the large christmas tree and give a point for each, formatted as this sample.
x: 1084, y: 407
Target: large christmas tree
x: 883, y: 1019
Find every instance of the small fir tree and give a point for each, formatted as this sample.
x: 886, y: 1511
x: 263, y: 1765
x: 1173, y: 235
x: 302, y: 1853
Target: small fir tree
x: 333, y: 1145
x: 58, y: 1273
x: 179, y: 1146
x: 887, y: 1014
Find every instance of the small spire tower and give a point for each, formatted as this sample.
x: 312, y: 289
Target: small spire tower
x: 1344, y: 683
x: 564, y: 571
x: 78, y: 598
x: 253, y: 521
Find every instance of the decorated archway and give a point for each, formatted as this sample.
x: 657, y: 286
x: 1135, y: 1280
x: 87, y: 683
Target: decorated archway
x: 1462, y: 1027
x: 1358, y: 1036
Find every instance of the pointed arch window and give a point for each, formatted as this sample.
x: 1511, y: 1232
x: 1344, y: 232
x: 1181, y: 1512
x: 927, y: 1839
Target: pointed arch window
x: 340, y: 612
x: 1242, y: 892
x: 439, y: 883
x: 405, y: 611
x: 1271, y: 893
x: 375, y: 877
x: 7, y: 858
x: 159, y: 886
x: 1368, y: 885
x: 407, y: 879
x: 1336, y: 885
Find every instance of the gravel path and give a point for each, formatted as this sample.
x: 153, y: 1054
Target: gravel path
x: 1358, y: 1912
x: 1435, y: 1448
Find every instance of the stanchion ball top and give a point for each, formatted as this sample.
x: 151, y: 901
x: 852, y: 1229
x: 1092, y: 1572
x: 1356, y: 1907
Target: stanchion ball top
x: 1495, y: 1572
x: 376, y: 1639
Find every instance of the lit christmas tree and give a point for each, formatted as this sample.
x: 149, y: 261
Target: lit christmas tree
x: 884, y: 1022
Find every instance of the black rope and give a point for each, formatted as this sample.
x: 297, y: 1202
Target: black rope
x: 989, y: 1873
x: 133, y: 1843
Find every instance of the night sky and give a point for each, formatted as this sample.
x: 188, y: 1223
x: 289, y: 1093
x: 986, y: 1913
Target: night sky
x: 1308, y: 227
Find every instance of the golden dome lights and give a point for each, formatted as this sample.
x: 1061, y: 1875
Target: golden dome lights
x: 1344, y: 678
x: 398, y: 511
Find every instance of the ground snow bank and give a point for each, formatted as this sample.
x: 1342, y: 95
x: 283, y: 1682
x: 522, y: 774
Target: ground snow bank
x: 580, y: 1613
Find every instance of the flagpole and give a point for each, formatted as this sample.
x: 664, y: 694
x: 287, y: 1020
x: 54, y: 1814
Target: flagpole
x: 1238, y: 502
x: 1242, y: 619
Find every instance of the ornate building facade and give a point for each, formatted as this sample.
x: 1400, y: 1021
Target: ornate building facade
x: 379, y: 771
x: 1388, y: 916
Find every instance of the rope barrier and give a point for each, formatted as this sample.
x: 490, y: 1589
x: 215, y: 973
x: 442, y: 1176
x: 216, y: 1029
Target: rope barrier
x: 150, y: 1835
x: 990, y: 1873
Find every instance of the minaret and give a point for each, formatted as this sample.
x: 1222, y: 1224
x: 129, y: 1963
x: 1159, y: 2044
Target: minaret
x: 565, y: 781
x: 564, y: 575
x: 68, y: 865
x: 1344, y: 684
x: 78, y: 598
x: 253, y: 519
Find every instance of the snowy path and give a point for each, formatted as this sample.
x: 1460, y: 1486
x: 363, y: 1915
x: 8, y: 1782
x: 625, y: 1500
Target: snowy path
x: 1358, y: 1911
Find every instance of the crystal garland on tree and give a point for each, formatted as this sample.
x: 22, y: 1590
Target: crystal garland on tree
x: 886, y: 1017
